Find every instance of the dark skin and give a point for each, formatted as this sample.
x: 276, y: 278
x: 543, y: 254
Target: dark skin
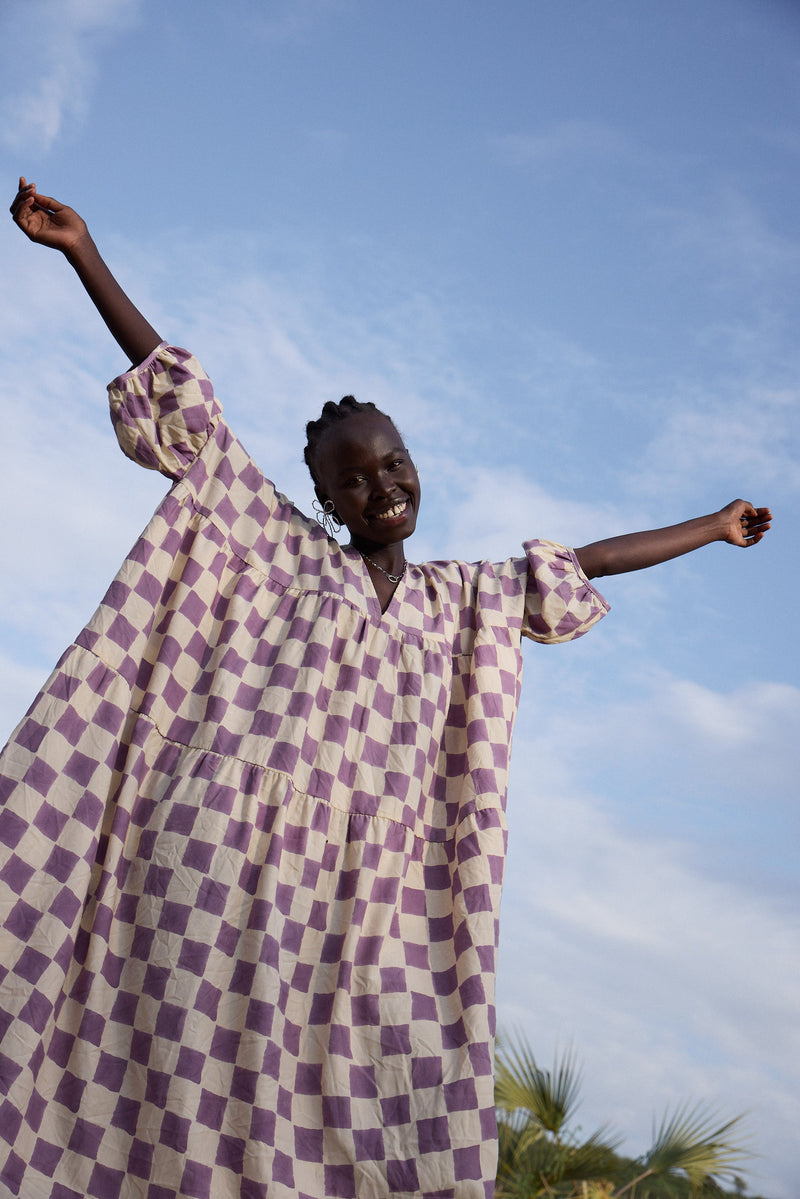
x: 362, y: 463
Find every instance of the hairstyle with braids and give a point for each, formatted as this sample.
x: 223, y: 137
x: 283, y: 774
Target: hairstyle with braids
x: 332, y: 414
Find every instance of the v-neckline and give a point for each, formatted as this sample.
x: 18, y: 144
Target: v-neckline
x: 371, y: 593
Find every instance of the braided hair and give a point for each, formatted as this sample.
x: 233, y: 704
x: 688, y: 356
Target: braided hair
x: 332, y: 414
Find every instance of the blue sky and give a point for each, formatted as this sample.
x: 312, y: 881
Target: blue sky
x: 558, y: 240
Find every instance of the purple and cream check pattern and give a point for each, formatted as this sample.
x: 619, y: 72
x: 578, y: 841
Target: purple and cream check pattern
x: 251, y: 849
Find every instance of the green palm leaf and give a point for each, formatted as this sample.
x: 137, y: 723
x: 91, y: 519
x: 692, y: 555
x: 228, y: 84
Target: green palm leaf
x: 693, y: 1141
x: 550, y: 1097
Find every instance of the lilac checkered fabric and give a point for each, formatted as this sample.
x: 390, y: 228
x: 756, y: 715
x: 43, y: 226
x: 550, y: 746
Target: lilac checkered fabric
x: 252, y: 837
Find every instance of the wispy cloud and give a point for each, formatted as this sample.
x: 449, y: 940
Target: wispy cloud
x: 671, y: 984
x: 731, y: 231
x: 749, y: 432
x: 491, y: 508
x: 60, y: 43
x: 561, y: 142
x: 740, y: 743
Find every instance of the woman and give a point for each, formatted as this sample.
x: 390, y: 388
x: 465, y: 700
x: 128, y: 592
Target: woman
x: 253, y: 826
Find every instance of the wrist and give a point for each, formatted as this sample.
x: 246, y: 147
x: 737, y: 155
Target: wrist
x: 82, y: 250
x: 720, y: 522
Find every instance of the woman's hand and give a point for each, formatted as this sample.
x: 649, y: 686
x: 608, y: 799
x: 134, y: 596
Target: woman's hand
x: 46, y: 221
x: 743, y: 524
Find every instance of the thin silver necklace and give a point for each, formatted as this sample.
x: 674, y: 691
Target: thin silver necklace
x: 377, y: 565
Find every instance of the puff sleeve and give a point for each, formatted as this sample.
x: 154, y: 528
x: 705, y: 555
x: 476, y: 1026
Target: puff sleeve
x: 164, y: 411
x: 560, y: 602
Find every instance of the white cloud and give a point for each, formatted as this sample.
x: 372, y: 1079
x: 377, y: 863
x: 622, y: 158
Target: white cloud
x: 675, y: 728
x: 491, y: 509
x: 51, y: 60
x: 731, y: 231
x: 670, y: 985
x: 746, y: 432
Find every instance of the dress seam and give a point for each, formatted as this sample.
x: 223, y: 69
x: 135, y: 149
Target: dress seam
x: 138, y: 714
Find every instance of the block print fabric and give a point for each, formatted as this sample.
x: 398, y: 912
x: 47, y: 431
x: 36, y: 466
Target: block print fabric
x: 252, y: 837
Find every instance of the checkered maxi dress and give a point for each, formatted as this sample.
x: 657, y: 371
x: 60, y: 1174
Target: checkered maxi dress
x: 252, y: 840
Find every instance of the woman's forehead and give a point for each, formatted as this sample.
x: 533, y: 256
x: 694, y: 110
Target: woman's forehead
x: 362, y: 432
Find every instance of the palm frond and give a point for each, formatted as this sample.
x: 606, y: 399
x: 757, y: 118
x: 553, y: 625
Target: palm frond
x: 692, y: 1139
x: 549, y: 1096
x: 594, y: 1159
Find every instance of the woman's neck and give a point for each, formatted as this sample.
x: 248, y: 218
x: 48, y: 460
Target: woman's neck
x: 389, y: 560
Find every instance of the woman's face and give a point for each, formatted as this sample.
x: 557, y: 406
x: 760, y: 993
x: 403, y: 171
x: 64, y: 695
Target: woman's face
x: 366, y: 470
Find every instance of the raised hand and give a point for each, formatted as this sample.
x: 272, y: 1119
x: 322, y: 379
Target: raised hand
x: 745, y: 525
x: 46, y: 221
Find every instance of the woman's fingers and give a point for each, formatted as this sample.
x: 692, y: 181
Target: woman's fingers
x: 754, y: 524
x: 26, y: 192
x: 48, y: 203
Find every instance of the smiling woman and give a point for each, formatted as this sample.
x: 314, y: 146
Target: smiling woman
x: 253, y: 828
x: 364, y: 476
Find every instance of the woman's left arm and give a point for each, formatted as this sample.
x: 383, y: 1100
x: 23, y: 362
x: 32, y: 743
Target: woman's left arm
x: 739, y: 523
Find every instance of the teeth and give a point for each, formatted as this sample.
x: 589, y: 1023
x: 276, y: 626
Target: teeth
x: 397, y: 510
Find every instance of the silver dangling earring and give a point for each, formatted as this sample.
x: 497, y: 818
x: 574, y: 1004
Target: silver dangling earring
x: 326, y: 515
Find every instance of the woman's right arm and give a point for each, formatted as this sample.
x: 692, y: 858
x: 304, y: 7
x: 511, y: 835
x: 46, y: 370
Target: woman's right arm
x: 49, y: 223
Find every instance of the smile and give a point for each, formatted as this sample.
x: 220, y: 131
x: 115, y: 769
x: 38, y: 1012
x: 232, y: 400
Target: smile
x: 392, y: 513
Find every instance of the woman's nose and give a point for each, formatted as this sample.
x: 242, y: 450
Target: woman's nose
x: 382, y: 484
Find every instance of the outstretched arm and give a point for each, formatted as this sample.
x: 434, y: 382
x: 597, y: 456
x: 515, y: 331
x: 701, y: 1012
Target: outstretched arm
x: 49, y: 223
x: 739, y: 523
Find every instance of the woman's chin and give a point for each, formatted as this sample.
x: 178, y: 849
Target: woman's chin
x: 371, y: 542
